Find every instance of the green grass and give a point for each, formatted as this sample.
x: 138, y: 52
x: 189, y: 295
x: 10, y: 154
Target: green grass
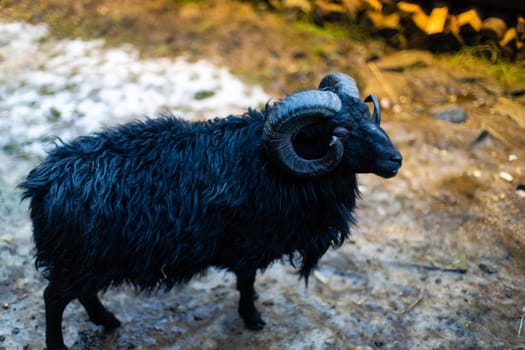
x: 486, y: 60
x: 203, y: 94
x: 508, y: 73
x: 337, y: 31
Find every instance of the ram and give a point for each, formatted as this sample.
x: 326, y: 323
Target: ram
x: 153, y: 203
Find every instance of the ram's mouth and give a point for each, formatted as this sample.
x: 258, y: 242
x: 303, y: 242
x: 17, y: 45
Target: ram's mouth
x: 388, y: 168
x: 387, y: 174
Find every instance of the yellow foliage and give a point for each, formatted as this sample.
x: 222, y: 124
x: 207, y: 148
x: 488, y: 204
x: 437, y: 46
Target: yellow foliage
x: 304, y: 5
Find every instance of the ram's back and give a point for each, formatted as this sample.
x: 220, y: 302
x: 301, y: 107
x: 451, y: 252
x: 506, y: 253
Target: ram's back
x: 143, y: 189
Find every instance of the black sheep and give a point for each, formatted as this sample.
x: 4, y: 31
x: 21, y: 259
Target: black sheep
x: 156, y: 202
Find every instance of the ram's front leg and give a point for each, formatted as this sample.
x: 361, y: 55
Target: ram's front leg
x: 251, y: 317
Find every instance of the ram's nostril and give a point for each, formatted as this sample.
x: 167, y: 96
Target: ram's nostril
x: 397, y: 158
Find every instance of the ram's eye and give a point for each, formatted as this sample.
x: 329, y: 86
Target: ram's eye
x: 376, y: 114
x: 341, y: 133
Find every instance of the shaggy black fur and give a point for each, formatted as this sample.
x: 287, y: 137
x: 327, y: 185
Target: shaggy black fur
x: 157, y: 202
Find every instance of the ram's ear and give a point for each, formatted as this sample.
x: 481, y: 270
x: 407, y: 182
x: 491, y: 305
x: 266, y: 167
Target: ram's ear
x: 376, y: 115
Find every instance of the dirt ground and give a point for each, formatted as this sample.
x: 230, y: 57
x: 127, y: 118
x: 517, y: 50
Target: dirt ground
x: 437, y: 259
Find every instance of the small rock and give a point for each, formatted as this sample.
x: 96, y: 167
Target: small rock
x: 486, y: 268
x: 520, y: 189
x: 452, y: 114
x: 397, y: 108
x: 7, y: 238
x: 385, y: 103
x: 5, y: 306
x: 505, y: 176
x: 320, y: 277
x: 481, y: 137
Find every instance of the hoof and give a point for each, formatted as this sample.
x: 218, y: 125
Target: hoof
x: 255, y: 325
x: 57, y: 347
x: 109, y: 321
x: 252, y: 318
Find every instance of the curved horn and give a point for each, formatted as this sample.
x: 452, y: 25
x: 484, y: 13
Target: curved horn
x: 291, y: 115
x: 340, y: 83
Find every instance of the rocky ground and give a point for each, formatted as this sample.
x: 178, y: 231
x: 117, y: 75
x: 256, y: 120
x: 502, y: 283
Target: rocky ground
x: 437, y: 259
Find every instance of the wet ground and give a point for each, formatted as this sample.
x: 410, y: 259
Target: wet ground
x: 437, y: 260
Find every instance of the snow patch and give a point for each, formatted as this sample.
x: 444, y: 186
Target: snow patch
x: 64, y: 88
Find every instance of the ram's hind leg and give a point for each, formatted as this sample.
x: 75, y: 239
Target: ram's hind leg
x: 98, y: 314
x: 55, y: 303
x: 251, y: 317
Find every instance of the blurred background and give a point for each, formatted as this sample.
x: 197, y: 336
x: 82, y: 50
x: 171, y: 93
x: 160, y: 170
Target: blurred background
x: 437, y: 259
